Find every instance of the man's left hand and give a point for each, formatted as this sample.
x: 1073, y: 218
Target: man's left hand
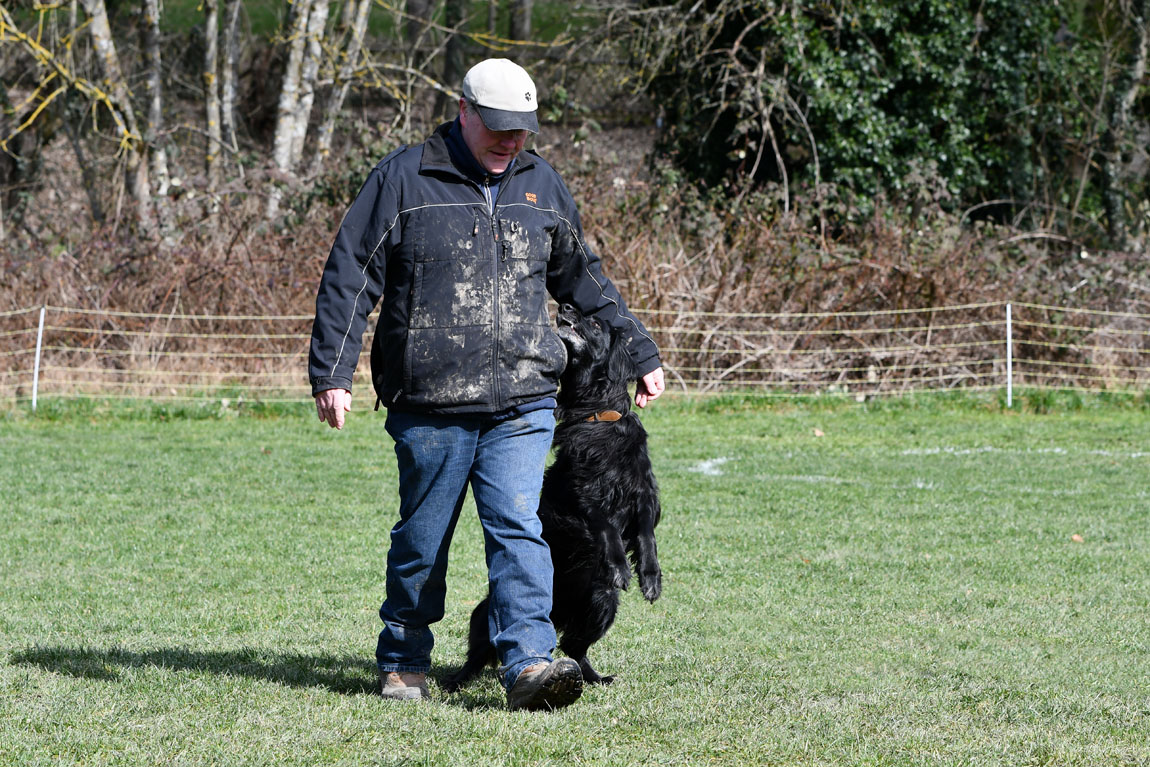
x: 650, y: 387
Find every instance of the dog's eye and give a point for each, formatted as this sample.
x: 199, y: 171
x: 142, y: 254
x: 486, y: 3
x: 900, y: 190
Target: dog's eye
x: 599, y: 324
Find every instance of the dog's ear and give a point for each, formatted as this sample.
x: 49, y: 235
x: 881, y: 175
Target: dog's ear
x: 620, y: 366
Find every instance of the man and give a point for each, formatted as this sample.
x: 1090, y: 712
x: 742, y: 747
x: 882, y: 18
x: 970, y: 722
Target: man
x: 463, y: 237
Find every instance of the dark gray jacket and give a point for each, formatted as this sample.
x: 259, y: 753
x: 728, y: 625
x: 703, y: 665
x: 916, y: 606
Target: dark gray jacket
x: 464, y: 327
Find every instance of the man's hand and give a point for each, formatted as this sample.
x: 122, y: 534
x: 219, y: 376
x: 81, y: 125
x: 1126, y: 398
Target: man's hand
x: 650, y: 387
x: 331, y: 404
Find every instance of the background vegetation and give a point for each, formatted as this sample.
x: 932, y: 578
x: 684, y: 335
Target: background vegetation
x: 728, y: 155
x: 1013, y: 109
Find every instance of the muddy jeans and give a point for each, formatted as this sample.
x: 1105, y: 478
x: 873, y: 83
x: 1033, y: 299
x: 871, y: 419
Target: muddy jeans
x: 502, y: 461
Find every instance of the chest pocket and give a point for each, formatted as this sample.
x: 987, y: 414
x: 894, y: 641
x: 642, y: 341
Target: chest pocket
x: 525, y: 233
x: 451, y: 274
x: 446, y: 233
x: 524, y: 248
x: 515, y: 239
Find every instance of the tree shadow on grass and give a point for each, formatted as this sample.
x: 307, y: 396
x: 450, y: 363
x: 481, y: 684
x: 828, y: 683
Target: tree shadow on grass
x: 344, y: 675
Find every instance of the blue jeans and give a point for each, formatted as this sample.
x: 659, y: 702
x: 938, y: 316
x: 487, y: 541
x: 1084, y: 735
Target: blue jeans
x: 439, y: 456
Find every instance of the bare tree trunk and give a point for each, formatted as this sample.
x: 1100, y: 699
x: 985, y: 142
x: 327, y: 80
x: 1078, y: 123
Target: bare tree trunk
x: 109, y: 62
x: 228, y: 77
x: 87, y: 173
x: 288, y: 110
x: 492, y: 16
x: 154, y: 125
x: 521, y: 19
x: 212, y: 94
x: 21, y: 161
x: 356, y: 28
x: 454, y: 16
x: 418, y: 32
x: 316, y: 23
x: 418, y: 14
x: 72, y: 129
x: 1117, y: 142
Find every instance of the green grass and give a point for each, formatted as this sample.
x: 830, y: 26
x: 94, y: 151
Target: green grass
x: 905, y: 589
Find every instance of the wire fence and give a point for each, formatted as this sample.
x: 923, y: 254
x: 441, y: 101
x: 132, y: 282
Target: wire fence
x: 72, y: 352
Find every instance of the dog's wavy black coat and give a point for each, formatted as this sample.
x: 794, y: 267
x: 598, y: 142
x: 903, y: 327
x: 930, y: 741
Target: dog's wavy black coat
x: 599, y: 504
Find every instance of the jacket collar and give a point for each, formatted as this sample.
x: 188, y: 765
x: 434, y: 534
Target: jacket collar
x: 437, y: 157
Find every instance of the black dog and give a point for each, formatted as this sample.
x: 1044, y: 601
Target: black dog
x: 599, y: 502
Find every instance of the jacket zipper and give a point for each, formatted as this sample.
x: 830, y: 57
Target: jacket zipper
x: 495, y: 318
x: 500, y: 255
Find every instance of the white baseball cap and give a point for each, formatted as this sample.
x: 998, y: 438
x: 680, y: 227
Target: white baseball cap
x: 503, y: 94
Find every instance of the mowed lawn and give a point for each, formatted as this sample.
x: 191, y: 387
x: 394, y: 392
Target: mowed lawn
x: 924, y: 583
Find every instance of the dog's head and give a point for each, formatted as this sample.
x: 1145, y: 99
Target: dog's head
x: 598, y: 366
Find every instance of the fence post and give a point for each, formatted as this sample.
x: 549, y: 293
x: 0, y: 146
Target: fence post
x: 36, y: 367
x: 1009, y: 360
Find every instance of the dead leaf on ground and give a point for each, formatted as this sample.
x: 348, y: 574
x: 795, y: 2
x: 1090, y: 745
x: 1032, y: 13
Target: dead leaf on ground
x: 819, y: 433
x: 1077, y: 538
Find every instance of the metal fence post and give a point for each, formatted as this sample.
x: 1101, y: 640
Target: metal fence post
x: 36, y: 367
x: 1009, y: 360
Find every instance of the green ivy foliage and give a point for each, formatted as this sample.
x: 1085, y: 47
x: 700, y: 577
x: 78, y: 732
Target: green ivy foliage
x: 960, y: 102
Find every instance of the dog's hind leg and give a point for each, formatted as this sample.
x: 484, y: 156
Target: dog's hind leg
x: 645, y: 553
x: 598, y: 614
x: 615, y: 567
x: 480, y: 652
x: 590, y: 675
x: 647, y: 563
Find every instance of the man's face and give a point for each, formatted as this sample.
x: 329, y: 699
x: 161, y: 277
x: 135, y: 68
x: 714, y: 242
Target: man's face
x: 494, y: 150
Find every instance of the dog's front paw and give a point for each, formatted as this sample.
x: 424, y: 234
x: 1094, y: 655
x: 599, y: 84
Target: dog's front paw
x: 651, y: 584
x: 621, y: 577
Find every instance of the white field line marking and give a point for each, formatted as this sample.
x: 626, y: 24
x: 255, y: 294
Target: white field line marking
x: 710, y: 467
x: 815, y: 479
x: 920, y: 484
x: 1026, y: 451
x: 822, y: 479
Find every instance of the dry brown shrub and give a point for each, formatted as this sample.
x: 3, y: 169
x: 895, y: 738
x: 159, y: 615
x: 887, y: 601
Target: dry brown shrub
x: 746, y: 297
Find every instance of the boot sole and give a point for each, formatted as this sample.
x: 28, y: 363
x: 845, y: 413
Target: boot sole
x: 559, y: 685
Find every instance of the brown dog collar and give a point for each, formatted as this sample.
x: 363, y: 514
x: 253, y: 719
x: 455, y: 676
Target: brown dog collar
x: 606, y: 415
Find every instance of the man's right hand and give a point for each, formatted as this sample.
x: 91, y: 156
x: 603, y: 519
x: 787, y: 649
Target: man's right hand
x: 331, y: 404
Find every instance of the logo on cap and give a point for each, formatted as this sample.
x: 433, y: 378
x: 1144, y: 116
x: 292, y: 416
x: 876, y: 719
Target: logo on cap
x: 527, y: 95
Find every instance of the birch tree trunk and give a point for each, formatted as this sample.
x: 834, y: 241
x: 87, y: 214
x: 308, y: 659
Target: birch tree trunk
x: 212, y: 94
x: 309, y: 72
x: 154, y: 125
x: 288, y: 109
x: 356, y: 28
x: 1117, y: 140
x: 228, y: 78
x: 109, y: 62
x: 521, y: 19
